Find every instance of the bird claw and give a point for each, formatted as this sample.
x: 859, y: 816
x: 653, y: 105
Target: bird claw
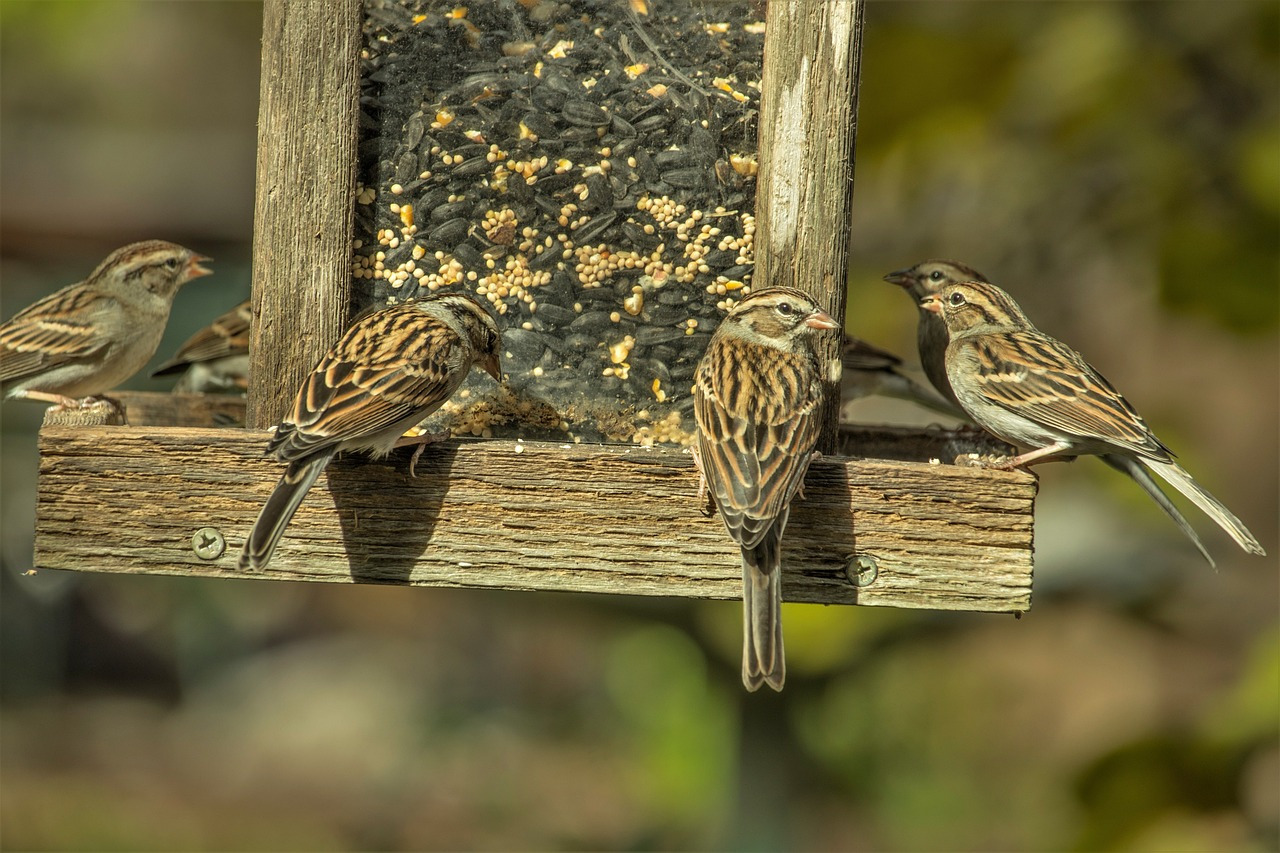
x: 420, y: 442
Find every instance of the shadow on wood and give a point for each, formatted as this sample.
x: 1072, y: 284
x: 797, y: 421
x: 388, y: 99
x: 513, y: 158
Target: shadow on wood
x: 385, y: 531
x: 532, y: 515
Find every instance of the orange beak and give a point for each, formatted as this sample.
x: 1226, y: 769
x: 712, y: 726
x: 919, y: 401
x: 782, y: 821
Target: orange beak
x: 821, y: 320
x: 932, y: 303
x: 194, y: 270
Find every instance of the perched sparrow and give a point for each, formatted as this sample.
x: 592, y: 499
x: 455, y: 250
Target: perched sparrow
x: 870, y: 370
x: 391, y: 369
x: 929, y: 277
x: 1038, y: 393
x: 925, y: 279
x: 86, y: 339
x: 755, y: 394
x: 216, y: 358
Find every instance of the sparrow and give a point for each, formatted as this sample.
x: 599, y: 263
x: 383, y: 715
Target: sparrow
x: 80, y: 342
x: 216, y: 358
x: 929, y: 277
x: 756, y: 390
x: 922, y: 280
x: 869, y: 370
x: 1036, y: 392
x: 391, y: 369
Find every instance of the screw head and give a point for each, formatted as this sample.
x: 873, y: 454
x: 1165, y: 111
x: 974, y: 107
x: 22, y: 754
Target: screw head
x: 208, y: 543
x: 862, y: 570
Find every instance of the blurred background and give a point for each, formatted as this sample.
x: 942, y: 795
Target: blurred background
x: 1115, y: 165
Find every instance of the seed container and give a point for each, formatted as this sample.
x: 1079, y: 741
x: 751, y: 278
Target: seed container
x: 587, y: 169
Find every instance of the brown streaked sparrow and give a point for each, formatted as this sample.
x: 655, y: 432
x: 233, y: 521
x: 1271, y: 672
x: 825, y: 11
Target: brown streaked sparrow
x: 869, y: 370
x: 925, y: 279
x: 82, y: 341
x: 929, y: 277
x: 391, y: 369
x: 216, y: 358
x: 755, y: 394
x: 1036, y: 392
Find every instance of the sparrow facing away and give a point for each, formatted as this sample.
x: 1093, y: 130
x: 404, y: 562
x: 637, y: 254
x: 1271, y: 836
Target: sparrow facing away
x: 755, y: 394
x: 80, y: 342
x: 1036, y: 392
x: 391, y: 369
x: 216, y: 358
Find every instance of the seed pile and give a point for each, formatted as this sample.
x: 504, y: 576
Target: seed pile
x: 589, y: 169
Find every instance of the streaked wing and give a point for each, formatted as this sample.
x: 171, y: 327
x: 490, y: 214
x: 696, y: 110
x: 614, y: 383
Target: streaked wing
x: 58, y: 329
x: 1042, y: 379
x: 758, y: 432
x: 386, y: 368
x: 225, y: 336
x: 857, y: 354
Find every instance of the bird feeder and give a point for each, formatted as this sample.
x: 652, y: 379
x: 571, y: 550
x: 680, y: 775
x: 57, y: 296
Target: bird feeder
x: 609, y: 176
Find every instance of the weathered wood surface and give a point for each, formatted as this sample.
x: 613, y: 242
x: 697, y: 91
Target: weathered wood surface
x: 304, y: 207
x: 150, y: 408
x: 535, y: 516
x: 804, y: 195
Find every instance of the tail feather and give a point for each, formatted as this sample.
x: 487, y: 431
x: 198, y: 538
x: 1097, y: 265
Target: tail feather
x: 279, y: 509
x: 905, y: 388
x: 1134, y: 469
x: 763, y: 660
x: 1173, y: 474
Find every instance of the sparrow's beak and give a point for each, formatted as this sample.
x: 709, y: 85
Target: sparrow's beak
x: 932, y: 303
x: 194, y: 270
x: 493, y: 367
x: 821, y: 320
x: 902, y: 278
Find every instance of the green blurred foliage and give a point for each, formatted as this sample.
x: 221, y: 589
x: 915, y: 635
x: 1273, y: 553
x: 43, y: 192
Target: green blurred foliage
x: 1115, y: 165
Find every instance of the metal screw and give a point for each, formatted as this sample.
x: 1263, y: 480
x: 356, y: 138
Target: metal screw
x: 208, y: 543
x: 862, y: 570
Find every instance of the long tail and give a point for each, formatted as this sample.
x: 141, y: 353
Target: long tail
x: 279, y: 509
x: 903, y: 387
x: 763, y: 661
x: 1212, y: 507
x: 1134, y: 469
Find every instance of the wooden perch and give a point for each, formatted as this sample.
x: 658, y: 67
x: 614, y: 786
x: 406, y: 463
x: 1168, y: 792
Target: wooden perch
x: 532, y: 516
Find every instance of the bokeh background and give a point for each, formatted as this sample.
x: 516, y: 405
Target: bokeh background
x: 1116, y: 165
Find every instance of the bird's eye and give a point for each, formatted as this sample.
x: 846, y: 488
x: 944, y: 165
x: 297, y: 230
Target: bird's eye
x: 785, y: 309
x: 956, y: 299
x: 172, y: 263
x: 936, y: 275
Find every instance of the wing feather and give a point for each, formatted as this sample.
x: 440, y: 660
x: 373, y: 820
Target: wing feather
x: 758, y: 433
x: 1032, y: 375
x: 56, y: 330
x: 379, y: 374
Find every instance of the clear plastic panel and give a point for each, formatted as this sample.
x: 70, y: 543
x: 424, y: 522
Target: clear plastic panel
x: 588, y: 169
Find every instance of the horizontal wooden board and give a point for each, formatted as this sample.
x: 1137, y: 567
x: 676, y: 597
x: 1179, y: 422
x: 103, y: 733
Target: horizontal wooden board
x: 532, y: 515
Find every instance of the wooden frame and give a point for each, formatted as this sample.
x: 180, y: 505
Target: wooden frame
x: 170, y: 495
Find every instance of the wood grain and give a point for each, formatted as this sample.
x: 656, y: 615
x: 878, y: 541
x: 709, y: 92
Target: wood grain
x: 304, y: 206
x: 533, y: 516
x: 804, y: 198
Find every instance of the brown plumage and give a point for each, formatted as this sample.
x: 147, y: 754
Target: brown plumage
x: 1036, y: 392
x: 756, y: 391
x: 85, y: 339
x: 390, y: 370
x: 216, y: 358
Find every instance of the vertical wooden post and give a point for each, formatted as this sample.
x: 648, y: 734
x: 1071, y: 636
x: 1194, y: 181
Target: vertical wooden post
x: 808, y: 120
x: 305, y: 204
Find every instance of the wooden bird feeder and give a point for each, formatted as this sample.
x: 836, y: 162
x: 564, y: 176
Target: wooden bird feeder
x: 888, y: 519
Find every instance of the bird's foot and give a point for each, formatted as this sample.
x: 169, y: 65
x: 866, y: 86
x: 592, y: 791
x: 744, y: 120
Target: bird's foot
x: 421, y: 441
